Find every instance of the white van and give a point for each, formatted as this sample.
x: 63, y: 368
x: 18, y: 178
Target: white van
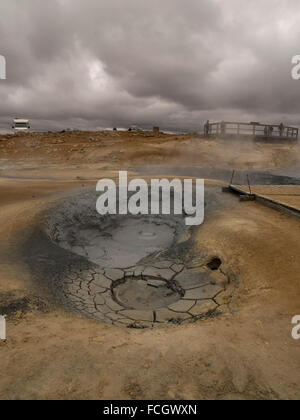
x: 21, y: 125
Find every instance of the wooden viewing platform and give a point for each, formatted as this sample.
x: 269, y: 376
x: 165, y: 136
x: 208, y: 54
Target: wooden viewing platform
x: 253, y: 129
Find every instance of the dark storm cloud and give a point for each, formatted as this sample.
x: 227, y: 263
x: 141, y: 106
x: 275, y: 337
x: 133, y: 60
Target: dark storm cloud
x: 168, y: 62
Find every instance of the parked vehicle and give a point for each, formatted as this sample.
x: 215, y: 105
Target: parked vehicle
x: 134, y: 128
x: 21, y: 124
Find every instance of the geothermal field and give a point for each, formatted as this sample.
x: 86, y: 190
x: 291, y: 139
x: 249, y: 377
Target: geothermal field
x: 145, y: 306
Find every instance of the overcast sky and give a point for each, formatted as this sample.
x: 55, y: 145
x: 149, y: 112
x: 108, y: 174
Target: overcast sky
x: 173, y: 63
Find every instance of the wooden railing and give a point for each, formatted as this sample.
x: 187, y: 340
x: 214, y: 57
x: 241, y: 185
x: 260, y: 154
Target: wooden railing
x: 227, y: 129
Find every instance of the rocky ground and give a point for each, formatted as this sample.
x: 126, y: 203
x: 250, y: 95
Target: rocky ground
x: 244, y: 351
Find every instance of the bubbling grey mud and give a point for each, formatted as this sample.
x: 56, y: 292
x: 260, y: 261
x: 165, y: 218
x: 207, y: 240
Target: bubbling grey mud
x: 131, y: 271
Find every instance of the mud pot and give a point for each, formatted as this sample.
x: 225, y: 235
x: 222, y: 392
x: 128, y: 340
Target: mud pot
x: 128, y: 271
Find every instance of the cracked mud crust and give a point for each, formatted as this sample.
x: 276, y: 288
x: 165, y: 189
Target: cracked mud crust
x: 146, y: 300
x: 118, y: 297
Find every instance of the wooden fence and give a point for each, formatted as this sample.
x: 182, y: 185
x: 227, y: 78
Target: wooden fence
x: 256, y: 130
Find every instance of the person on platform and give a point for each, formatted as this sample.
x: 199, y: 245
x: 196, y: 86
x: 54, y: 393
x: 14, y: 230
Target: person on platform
x: 281, y: 129
x: 206, y: 128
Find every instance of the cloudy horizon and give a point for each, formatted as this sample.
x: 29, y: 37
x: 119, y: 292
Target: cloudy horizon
x: 173, y: 63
